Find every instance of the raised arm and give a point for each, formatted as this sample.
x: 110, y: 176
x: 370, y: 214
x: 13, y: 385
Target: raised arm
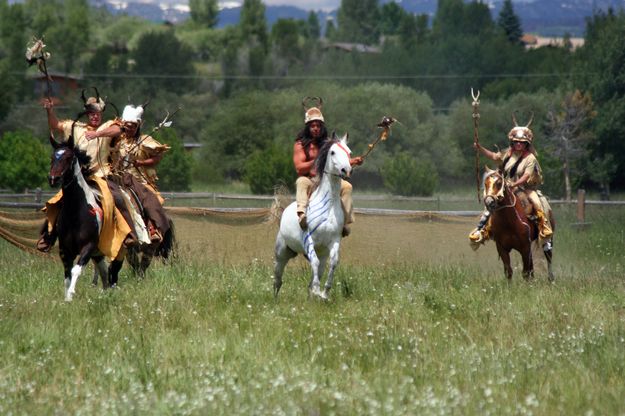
x: 491, y: 155
x: 53, y: 121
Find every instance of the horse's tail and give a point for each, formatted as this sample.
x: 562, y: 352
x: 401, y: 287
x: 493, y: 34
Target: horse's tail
x: 167, y: 247
x: 281, y: 199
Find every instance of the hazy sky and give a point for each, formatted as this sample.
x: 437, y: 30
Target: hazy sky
x: 308, y: 4
x: 303, y: 4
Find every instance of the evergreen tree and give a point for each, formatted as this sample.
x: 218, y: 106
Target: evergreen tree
x: 161, y: 54
x: 601, y: 72
x: 391, y: 17
x: 358, y: 21
x: 449, y: 18
x: 313, y: 31
x: 204, y: 12
x: 253, y: 25
x: 510, y: 23
x: 330, y: 30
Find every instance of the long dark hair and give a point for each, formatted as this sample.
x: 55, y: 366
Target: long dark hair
x: 322, y: 157
x: 306, y: 138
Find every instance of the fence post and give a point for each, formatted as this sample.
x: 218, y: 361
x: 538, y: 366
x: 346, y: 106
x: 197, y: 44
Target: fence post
x: 581, y: 206
x: 38, y: 195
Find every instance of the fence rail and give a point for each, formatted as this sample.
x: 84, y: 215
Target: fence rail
x: 38, y: 196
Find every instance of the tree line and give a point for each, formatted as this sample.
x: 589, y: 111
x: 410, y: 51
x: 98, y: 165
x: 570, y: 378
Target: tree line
x: 240, y: 87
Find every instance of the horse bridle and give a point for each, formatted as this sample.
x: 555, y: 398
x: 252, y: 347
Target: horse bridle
x: 500, y: 195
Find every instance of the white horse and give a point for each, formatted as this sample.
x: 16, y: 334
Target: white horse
x: 325, y: 220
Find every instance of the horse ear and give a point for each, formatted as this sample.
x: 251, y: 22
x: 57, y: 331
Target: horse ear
x: 488, y: 170
x: 333, y: 137
x: 345, y: 138
x: 54, y: 143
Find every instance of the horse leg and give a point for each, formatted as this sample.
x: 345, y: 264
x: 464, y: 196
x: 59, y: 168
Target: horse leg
x: 113, y: 271
x: 282, y: 256
x: 548, y: 250
x: 505, y: 258
x: 101, y: 270
x: 528, y: 263
x: 334, y: 262
x: 314, y: 288
x: 67, y: 269
x: 96, y: 275
x: 84, y: 257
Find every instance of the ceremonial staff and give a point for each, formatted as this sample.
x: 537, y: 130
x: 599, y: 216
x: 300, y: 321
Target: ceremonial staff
x: 36, y: 55
x: 385, y: 125
x: 476, y: 138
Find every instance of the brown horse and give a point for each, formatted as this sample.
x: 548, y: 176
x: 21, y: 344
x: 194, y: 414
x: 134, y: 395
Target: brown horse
x: 510, y: 226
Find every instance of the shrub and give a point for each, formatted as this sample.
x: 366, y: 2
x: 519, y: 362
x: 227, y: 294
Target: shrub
x: 269, y: 167
x: 24, y: 161
x: 407, y: 175
x: 174, y: 171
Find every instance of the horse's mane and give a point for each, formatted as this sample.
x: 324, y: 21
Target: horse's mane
x: 84, y: 160
x: 322, y: 157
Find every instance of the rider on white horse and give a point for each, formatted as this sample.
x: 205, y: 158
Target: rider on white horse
x: 305, y: 150
x: 522, y: 169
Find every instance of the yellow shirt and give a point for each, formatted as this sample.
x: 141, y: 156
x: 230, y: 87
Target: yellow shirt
x: 128, y: 151
x: 98, y: 149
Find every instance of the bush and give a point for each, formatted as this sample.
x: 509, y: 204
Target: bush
x: 267, y: 168
x: 407, y: 175
x: 174, y: 171
x: 24, y: 161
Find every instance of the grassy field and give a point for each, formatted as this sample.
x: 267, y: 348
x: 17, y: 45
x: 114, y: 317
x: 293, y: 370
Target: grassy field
x: 418, y: 324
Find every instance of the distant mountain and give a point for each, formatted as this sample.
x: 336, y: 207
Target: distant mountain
x: 545, y: 17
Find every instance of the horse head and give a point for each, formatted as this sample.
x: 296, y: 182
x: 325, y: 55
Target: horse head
x: 61, y: 161
x: 334, y: 157
x: 494, y: 188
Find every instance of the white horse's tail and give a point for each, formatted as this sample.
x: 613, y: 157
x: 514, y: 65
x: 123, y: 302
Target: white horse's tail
x: 281, y: 199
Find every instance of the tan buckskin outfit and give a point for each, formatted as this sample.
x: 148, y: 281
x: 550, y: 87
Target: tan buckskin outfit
x: 526, y: 170
x: 115, y: 229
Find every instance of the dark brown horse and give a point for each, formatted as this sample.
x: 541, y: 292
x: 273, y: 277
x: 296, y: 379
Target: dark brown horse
x: 80, y: 217
x: 510, y: 227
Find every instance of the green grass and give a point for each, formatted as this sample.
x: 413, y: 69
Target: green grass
x: 196, y: 337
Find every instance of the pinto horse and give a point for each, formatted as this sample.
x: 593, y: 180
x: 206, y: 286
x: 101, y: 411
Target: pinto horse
x: 80, y: 219
x: 510, y: 227
x: 322, y: 238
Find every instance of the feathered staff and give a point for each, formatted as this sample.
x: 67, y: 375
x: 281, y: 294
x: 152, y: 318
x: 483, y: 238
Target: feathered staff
x: 476, y: 137
x: 35, y: 54
x: 385, y: 125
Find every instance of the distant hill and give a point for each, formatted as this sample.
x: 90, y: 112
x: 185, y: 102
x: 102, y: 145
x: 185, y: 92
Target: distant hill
x: 545, y: 17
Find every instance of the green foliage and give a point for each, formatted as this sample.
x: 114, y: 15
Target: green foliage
x: 358, y: 21
x: 204, y: 12
x: 174, y: 170
x: 601, y: 72
x: 253, y: 25
x: 23, y: 161
x: 161, y: 54
x: 510, y: 23
x: 270, y: 167
x: 406, y: 175
x: 313, y: 29
x: 285, y: 38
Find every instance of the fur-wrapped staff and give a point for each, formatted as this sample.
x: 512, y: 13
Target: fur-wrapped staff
x: 385, y: 125
x: 35, y: 55
x: 476, y: 137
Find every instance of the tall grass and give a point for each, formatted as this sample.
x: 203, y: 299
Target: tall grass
x: 420, y: 337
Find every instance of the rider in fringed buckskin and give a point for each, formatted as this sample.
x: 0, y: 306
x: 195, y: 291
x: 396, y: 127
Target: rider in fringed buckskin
x: 522, y: 170
x: 135, y: 158
x: 305, y: 150
x: 95, y: 139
